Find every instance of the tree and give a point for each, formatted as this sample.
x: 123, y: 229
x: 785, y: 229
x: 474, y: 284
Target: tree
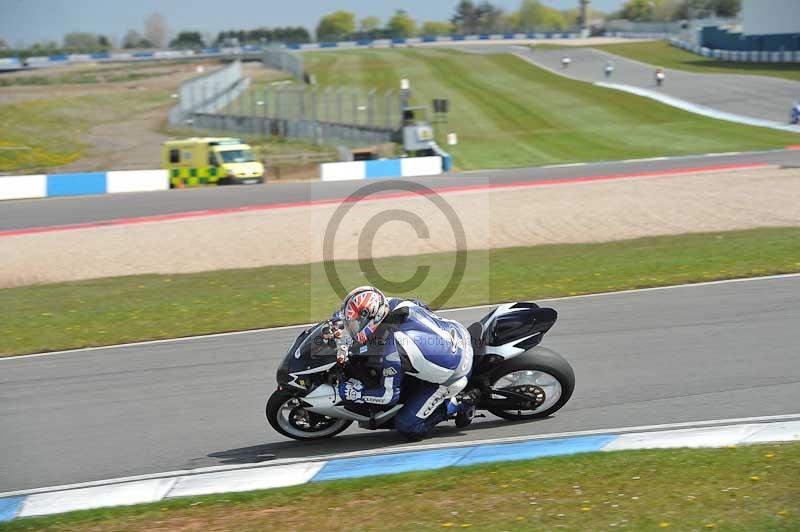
x: 155, y: 30
x: 533, y: 15
x: 369, y: 24
x: 481, y: 18
x: 437, y: 28
x: 336, y: 26
x: 637, y: 10
x: 79, y: 40
x: 691, y: 9
x: 3, y: 44
x: 467, y: 18
x: 133, y: 39
x: 401, y: 25
x: 727, y: 8
x: 188, y: 39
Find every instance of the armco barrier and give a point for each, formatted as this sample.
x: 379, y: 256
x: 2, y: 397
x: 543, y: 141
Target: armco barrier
x: 55, y: 185
x: 253, y: 52
x: 381, y: 168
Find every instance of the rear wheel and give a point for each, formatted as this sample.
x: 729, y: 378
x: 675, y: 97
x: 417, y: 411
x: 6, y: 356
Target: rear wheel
x: 287, y: 416
x: 547, y: 379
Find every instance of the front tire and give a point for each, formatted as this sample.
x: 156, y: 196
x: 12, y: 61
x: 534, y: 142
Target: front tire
x: 541, y: 373
x: 286, y: 416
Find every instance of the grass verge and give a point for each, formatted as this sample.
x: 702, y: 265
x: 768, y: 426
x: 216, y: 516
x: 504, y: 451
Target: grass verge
x: 125, y: 309
x: 509, y: 113
x: 43, y: 133
x: 660, y: 53
x: 742, y: 488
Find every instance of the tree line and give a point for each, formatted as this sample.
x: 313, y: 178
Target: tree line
x: 673, y: 10
x: 469, y: 17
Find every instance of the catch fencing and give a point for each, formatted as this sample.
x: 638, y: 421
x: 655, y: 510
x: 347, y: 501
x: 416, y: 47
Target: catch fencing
x: 225, y: 102
x: 278, y: 58
x: 208, y: 93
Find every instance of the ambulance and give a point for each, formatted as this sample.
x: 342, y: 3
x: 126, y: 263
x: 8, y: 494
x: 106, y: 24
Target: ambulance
x: 211, y: 161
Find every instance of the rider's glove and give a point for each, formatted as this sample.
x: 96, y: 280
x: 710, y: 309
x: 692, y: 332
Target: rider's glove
x: 350, y: 390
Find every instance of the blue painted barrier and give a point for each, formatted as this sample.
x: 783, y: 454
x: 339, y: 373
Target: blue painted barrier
x: 76, y: 184
x: 58, y: 57
x: 363, y: 42
x: 9, y: 508
x: 398, y: 40
x: 456, y: 37
x: 383, y: 168
x: 328, y: 45
x: 483, y: 36
x: 144, y: 54
x: 428, y: 38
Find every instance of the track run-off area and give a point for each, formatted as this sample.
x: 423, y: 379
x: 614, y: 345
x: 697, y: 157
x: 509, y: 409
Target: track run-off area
x: 29, y: 216
x: 654, y: 356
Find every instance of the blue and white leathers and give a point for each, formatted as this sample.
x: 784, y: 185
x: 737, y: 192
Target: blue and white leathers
x: 437, y: 352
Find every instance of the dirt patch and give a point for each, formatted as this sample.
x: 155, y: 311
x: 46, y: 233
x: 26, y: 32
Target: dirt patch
x: 131, y: 142
x: 572, y: 213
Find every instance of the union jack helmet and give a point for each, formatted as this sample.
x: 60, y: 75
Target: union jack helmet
x: 363, y: 310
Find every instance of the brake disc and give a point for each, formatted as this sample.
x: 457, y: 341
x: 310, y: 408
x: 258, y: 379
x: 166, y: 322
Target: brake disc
x: 536, y: 393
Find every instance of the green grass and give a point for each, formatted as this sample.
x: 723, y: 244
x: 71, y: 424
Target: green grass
x: 751, y: 488
x: 124, y: 309
x: 660, y: 53
x: 48, y: 131
x: 509, y: 113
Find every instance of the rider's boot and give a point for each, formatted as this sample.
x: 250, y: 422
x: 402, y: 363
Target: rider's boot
x: 462, y: 408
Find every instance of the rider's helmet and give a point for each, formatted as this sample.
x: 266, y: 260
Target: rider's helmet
x: 363, y: 310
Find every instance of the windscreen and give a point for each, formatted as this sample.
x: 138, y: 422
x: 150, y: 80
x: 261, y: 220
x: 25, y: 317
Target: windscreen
x: 237, y: 156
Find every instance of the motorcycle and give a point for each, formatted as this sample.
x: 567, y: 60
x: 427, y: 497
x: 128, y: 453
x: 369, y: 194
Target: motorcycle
x: 513, y: 377
x: 794, y: 117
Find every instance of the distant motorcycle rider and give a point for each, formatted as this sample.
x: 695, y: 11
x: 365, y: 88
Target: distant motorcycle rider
x: 794, y: 117
x: 412, y: 341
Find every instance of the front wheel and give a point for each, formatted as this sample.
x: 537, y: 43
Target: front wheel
x: 541, y: 374
x: 286, y: 416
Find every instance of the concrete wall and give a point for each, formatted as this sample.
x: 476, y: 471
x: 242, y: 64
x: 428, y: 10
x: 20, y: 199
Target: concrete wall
x: 770, y: 17
x: 356, y: 170
x: 52, y: 185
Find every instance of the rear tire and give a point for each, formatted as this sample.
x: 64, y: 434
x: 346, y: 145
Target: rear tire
x: 282, y: 416
x: 544, y: 365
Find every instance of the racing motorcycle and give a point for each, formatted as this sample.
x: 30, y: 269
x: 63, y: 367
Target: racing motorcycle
x: 513, y: 377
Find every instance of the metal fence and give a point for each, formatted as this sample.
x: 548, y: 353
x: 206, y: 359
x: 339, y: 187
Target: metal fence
x: 225, y: 102
x: 285, y: 61
x: 209, y: 93
x: 331, y: 115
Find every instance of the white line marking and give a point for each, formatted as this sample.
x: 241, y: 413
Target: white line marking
x: 408, y: 448
x: 443, y: 311
x: 723, y: 154
x: 647, y: 160
x: 567, y: 165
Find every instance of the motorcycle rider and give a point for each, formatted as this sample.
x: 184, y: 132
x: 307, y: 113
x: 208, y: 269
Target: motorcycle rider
x: 660, y: 75
x: 794, y: 118
x: 412, y: 341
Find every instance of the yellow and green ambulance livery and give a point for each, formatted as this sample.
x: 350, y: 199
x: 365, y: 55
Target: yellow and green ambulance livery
x: 208, y: 161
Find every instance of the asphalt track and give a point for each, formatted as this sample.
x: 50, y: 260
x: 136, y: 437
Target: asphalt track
x: 49, y: 212
x: 656, y: 356
x: 758, y: 97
